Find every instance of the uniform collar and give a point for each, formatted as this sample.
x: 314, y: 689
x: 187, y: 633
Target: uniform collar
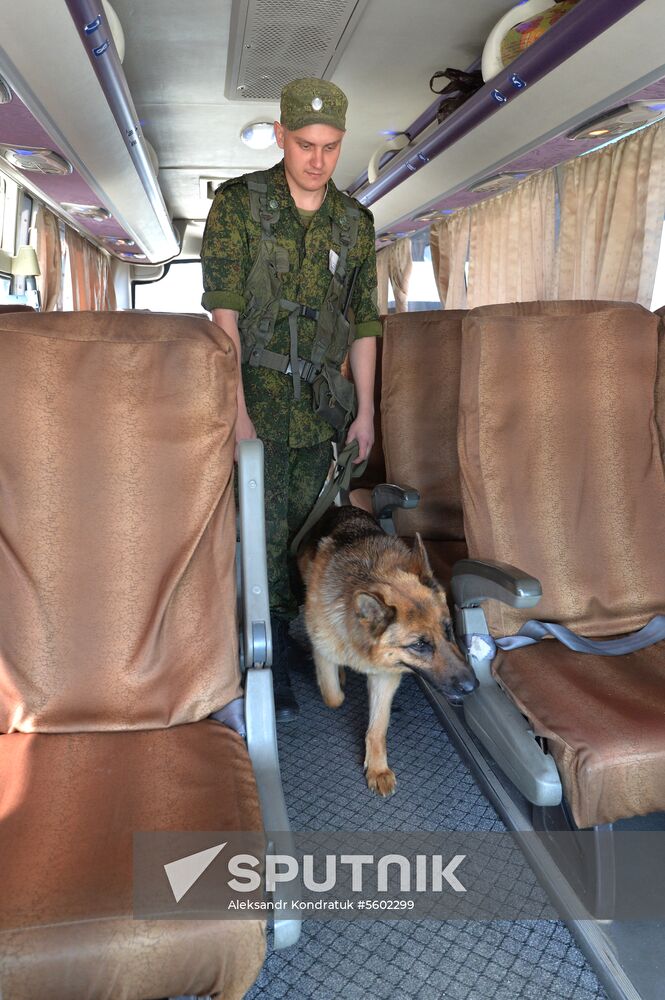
x: 285, y: 198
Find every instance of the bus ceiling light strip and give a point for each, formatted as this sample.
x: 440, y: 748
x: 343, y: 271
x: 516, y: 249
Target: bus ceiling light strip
x: 35, y: 159
x: 97, y: 38
x: 580, y: 26
x: 628, y: 117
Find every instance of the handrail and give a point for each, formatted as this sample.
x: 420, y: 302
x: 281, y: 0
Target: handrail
x: 98, y: 41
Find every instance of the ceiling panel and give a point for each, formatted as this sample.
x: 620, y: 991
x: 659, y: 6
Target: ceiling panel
x: 175, y: 62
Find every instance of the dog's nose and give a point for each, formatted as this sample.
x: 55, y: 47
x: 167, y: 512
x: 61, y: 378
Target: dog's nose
x: 465, y: 683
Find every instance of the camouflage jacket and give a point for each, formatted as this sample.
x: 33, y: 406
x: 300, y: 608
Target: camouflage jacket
x: 230, y: 246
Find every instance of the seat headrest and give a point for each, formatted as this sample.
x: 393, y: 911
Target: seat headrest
x: 421, y: 366
x: 561, y: 471
x: 116, y: 519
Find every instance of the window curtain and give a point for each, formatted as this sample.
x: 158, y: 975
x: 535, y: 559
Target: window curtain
x: 612, y: 207
x: 49, y: 255
x: 512, y: 248
x: 382, y: 279
x: 92, y: 284
x: 400, y: 265
x: 449, y: 243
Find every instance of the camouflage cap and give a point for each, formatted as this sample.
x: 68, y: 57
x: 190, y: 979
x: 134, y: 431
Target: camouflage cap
x: 312, y: 102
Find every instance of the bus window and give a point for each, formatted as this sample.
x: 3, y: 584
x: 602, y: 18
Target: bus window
x: 178, y: 290
x: 422, y: 292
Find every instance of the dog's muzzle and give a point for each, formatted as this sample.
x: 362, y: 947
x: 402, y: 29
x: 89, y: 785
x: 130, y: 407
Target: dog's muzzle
x: 458, y: 687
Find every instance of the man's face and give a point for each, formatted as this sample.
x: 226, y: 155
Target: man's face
x: 310, y: 154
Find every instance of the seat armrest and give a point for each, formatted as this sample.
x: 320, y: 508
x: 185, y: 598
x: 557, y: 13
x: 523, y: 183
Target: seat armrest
x: 255, y: 610
x: 476, y: 580
x: 387, y: 497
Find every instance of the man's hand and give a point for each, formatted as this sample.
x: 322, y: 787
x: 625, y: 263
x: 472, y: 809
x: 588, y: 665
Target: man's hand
x: 363, y: 359
x: 362, y: 431
x: 245, y: 430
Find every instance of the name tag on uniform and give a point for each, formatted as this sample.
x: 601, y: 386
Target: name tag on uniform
x: 333, y: 259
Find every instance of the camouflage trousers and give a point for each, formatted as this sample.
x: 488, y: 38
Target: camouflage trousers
x: 293, y: 479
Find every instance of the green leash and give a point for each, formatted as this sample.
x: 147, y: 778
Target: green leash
x: 343, y: 473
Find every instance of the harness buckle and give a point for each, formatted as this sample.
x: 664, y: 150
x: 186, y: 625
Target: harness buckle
x: 306, y: 369
x: 309, y: 313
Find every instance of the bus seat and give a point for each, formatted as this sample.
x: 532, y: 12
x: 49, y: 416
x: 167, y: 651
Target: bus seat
x: 419, y: 399
x: 562, y: 477
x: 118, y: 639
x: 8, y: 307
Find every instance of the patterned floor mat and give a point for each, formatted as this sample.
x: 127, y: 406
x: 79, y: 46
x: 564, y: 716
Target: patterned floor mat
x: 321, y: 758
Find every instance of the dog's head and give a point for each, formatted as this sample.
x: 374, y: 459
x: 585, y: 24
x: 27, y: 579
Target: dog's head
x: 404, y: 624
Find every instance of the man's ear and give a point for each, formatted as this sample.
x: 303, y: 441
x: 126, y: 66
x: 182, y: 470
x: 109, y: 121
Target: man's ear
x: 372, y: 612
x: 279, y: 134
x: 419, y: 562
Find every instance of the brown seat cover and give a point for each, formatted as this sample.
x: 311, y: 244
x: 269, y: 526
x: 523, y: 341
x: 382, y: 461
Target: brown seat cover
x: 116, y: 463
x: 117, y: 620
x: 562, y: 476
x: 421, y: 369
x: 421, y: 366
x: 69, y: 805
x: 604, y: 719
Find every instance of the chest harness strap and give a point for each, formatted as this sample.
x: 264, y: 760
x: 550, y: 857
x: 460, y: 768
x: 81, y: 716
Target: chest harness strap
x: 263, y: 295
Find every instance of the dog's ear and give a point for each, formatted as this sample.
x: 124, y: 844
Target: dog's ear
x: 419, y: 562
x: 372, y: 611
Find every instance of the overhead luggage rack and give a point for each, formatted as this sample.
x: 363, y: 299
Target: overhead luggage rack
x: 80, y: 99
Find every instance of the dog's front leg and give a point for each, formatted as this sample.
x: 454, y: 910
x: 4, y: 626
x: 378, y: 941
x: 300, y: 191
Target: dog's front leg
x: 327, y: 676
x: 381, y: 688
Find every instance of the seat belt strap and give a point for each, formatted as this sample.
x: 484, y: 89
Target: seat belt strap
x: 533, y: 631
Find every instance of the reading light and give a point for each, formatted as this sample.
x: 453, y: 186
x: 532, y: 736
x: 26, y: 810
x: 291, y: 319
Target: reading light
x: 618, y: 121
x: 94, y: 212
x: 36, y: 160
x: 499, y: 182
x: 258, y: 135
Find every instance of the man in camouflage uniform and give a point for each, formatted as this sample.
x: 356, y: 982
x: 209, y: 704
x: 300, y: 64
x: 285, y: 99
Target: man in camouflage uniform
x: 308, y: 210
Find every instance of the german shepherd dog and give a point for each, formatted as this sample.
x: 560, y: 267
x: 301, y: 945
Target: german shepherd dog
x: 373, y: 605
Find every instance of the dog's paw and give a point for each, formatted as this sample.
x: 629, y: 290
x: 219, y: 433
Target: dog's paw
x: 334, y: 700
x: 381, y: 782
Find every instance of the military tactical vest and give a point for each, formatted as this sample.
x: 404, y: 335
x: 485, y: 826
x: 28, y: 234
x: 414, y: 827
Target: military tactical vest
x: 333, y: 395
